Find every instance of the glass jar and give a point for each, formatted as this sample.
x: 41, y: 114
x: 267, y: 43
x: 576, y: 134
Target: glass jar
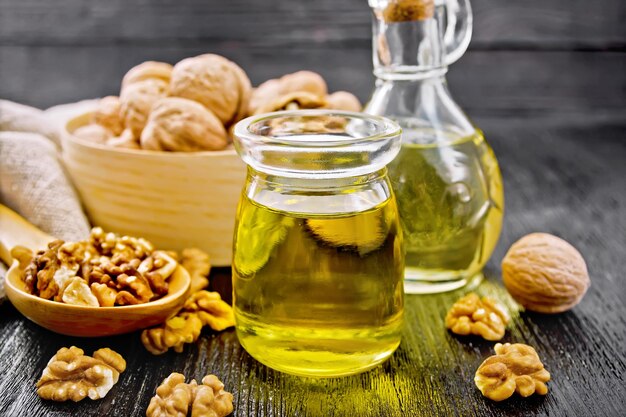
x: 446, y: 177
x: 317, y: 254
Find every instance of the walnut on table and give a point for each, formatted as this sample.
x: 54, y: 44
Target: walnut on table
x: 70, y: 375
x: 211, y: 310
x: 183, y: 328
x: 514, y: 368
x: 175, y: 398
x: 482, y: 317
x: 544, y: 273
x: 201, y: 309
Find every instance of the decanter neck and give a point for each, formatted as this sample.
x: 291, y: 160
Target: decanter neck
x: 408, y: 42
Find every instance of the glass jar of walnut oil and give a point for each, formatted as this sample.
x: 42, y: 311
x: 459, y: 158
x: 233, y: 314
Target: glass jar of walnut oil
x: 318, y: 261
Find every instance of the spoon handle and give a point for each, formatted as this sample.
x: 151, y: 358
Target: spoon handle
x: 15, y: 230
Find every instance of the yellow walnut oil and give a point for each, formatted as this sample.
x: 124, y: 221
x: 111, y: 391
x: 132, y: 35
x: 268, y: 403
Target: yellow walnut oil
x: 318, y: 295
x: 450, y: 199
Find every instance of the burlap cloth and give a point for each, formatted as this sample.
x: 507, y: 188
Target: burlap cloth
x: 32, y: 179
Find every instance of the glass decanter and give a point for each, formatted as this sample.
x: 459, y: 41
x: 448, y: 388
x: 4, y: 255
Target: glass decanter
x: 446, y: 177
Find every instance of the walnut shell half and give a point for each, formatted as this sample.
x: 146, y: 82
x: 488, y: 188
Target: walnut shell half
x: 181, y: 125
x: 545, y: 273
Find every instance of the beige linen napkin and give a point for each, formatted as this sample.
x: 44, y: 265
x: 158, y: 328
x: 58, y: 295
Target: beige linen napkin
x: 32, y: 179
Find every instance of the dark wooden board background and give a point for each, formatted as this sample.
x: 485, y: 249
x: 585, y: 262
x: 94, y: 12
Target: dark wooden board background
x: 545, y: 80
x: 525, y: 56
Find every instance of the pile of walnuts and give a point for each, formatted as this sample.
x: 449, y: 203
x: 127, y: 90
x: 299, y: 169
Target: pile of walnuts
x: 104, y: 271
x: 192, y: 105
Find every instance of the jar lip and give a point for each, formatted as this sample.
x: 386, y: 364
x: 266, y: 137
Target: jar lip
x: 385, y: 127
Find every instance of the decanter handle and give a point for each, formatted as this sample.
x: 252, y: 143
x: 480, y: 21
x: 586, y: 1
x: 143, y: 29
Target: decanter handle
x: 458, y: 32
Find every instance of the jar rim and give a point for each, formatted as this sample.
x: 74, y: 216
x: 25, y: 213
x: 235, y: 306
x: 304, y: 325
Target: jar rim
x: 385, y: 129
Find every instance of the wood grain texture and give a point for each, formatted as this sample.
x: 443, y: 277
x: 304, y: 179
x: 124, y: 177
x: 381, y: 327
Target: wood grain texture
x: 510, y: 82
x: 563, y: 175
x: 67, y: 50
x: 554, y: 24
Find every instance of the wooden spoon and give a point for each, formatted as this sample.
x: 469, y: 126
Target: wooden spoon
x: 76, y: 320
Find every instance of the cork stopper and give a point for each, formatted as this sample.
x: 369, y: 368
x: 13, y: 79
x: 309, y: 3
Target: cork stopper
x: 408, y: 10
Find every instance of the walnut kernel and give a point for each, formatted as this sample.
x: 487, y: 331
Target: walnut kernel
x: 70, y: 375
x: 102, y: 271
x: 198, y: 264
x: 514, y: 368
x: 202, y: 308
x: 471, y: 315
x: 175, y: 398
x: 183, y: 328
x: 211, y: 310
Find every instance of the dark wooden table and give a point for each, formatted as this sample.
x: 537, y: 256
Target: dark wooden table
x: 564, y: 175
x: 546, y: 81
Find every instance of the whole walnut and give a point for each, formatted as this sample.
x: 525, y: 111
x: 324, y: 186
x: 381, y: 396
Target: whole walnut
x: 107, y: 114
x: 148, y: 70
x: 137, y: 100
x: 181, y: 125
x: 343, y: 100
x: 545, y: 273
x: 215, y: 82
x: 301, y: 81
